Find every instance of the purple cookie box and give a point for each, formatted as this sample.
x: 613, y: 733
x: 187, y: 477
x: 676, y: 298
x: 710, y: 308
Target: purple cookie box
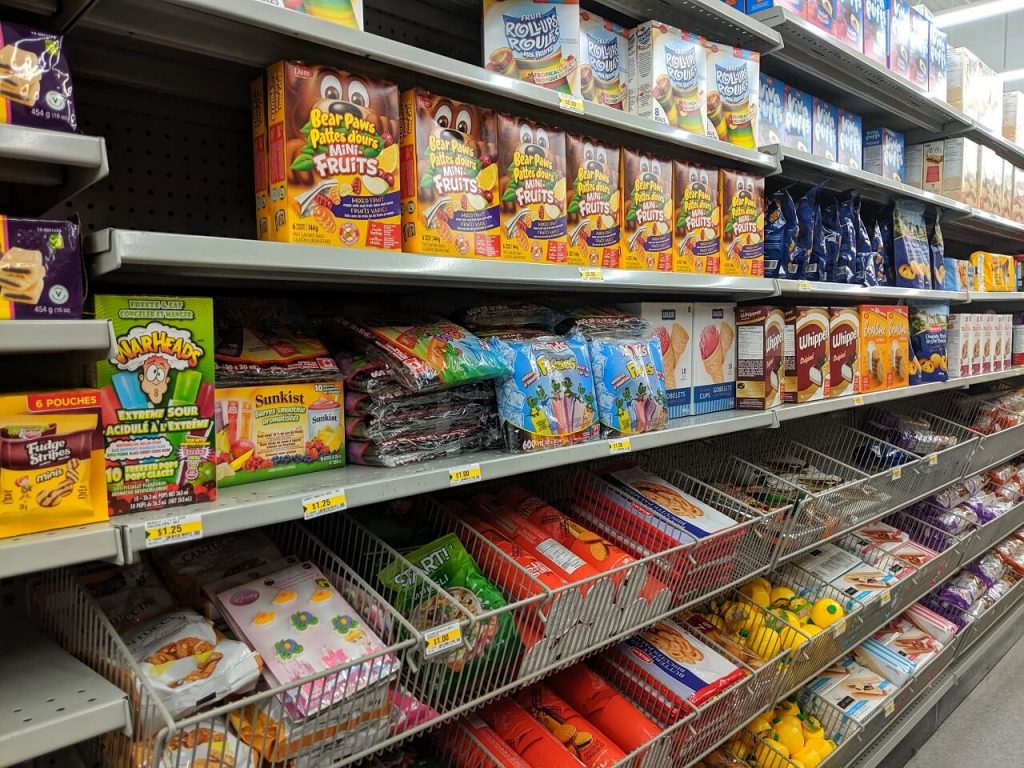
x: 64, y: 284
x: 55, y: 108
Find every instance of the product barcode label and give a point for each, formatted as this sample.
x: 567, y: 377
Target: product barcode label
x: 858, y: 399
x: 468, y: 473
x: 570, y: 103
x: 897, y: 473
x: 803, y: 285
x: 171, y: 530
x: 591, y: 273
x: 560, y: 556
x: 443, y: 638
x: 890, y: 707
x: 620, y: 445
x: 324, y: 503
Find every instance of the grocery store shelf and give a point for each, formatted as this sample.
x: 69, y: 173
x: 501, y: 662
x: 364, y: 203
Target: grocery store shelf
x: 50, y: 700
x: 854, y: 294
x: 48, y: 166
x: 51, y: 549
x: 989, y: 138
x: 1008, y: 298
x: 815, y: 61
x: 117, y: 253
x: 260, y: 34
x: 805, y: 167
x: 986, y: 229
x: 20, y: 337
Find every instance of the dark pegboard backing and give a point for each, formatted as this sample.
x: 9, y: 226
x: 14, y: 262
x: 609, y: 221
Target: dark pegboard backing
x: 449, y: 27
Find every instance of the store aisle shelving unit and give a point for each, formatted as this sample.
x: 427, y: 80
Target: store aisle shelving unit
x: 24, y: 337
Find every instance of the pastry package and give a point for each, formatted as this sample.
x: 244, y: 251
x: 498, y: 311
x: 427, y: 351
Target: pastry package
x: 909, y: 640
x: 860, y: 692
x: 127, y: 595
x: 211, y: 745
x: 885, y: 661
x: 629, y: 379
x: 466, y: 740
x: 911, y: 253
x: 35, y: 81
x: 928, y: 621
x: 41, y: 270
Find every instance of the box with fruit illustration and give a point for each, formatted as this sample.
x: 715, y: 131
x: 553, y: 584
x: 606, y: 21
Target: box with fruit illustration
x: 278, y: 430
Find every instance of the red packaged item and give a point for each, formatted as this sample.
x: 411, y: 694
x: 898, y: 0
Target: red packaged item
x: 575, y: 732
x: 594, y: 698
x: 526, y: 736
x: 463, y: 742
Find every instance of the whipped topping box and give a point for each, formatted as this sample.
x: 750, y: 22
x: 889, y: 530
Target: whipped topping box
x: 771, y: 126
x: 797, y: 110
x: 844, y: 351
x: 850, y: 140
x: 806, y: 363
x: 759, y: 350
x: 824, y: 129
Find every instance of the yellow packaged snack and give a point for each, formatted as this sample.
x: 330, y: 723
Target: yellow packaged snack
x: 647, y: 235
x: 595, y: 202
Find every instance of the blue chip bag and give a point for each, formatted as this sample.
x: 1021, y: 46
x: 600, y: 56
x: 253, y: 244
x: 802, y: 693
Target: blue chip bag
x: 929, y: 325
x: 881, y: 248
x: 807, y: 214
x: 847, y: 262
x: 629, y: 376
x: 865, y: 272
x: 780, y: 232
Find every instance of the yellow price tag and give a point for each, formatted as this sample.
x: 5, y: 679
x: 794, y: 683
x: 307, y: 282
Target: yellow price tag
x: 897, y: 473
x: 803, y: 285
x: 840, y: 626
x: 620, y: 445
x: 443, y: 638
x: 890, y: 707
x: 886, y: 597
x: 171, y: 530
x: 570, y: 103
x: 933, y: 459
x: 592, y: 273
x: 858, y: 399
x: 469, y: 473
x: 324, y: 503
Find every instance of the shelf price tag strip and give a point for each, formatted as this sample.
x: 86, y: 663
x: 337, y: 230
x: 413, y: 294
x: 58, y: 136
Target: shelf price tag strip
x: 321, y: 504
x: 443, y: 638
x: 591, y: 274
x: 171, y: 530
x: 570, y: 103
x: 468, y: 473
x: 619, y: 445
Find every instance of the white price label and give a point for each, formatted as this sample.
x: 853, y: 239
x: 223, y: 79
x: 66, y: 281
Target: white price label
x: 443, y: 638
x: 933, y: 459
x: 171, y: 530
x: 592, y: 274
x: 324, y: 503
x: 619, y: 445
x: 570, y: 103
x: 468, y: 473
x: 897, y: 473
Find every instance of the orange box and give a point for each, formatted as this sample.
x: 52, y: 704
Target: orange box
x: 333, y: 156
x: 531, y: 161
x: 899, y: 344
x: 450, y: 203
x: 875, y: 350
x: 258, y: 92
x: 647, y: 235
x: 698, y: 219
x: 742, y: 197
x: 594, y: 202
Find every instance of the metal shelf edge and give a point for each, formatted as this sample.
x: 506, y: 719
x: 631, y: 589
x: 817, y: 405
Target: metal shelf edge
x: 64, y: 546
x: 52, y: 336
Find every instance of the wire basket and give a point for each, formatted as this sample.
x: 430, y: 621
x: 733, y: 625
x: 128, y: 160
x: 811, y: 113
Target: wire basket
x: 973, y: 631
x: 839, y: 727
x: 353, y: 719
x: 949, y: 550
x: 1001, y: 430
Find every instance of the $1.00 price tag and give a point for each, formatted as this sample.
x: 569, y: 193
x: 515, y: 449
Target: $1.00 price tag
x: 595, y: 274
x: 324, y: 503
x: 897, y: 473
x: 171, y: 530
x: 840, y: 626
x: 570, y: 103
x: 469, y: 473
x: 886, y: 597
x: 443, y: 638
x: 619, y: 445
x: 933, y: 459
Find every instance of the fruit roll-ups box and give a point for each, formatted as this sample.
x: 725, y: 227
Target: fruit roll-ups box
x: 594, y: 208
x: 742, y: 200
x: 806, y: 361
x: 668, y: 76
x: 449, y: 171
x: 697, y: 219
x: 733, y: 84
x: 759, y: 350
x: 714, y: 378
x: 41, y: 270
x: 531, y: 162
x: 604, y: 61
x: 798, y: 110
x: 844, y: 351
x: 647, y: 234
x: 875, y: 348
x: 771, y: 124
x: 157, y: 393
x: 261, y: 169
x: 898, y: 321
x: 537, y: 41
x: 672, y: 322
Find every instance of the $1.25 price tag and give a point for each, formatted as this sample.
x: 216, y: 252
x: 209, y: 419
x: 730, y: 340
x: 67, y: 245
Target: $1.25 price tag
x: 595, y: 274
x: 886, y: 597
x: 803, y: 285
x: 443, y: 638
x: 619, y: 445
x: 324, y: 503
x: 171, y: 530
x: 469, y: 473
x: 933, y: 459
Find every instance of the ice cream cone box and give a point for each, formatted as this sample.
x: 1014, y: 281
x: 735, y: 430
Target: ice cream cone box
x: 898, y: 319
x: 157, y: 401
x: 806, y: 362
x: 278, y: 430
x: 733, y: 86
x: 594, y: 207
x: 714, y: 365
x: 668, y: 71
x: 673, y: 324
x: 647, y: 234
x: 844, y: 351
x: 875, y: 349
x: 876, y: 30
x: 333, y: 157
x: 604, y: 61
x: 759, y: 351
x: 531, y: 162
x: 742, y: 197
x: 537, y: 41
x: 698, y: 219
x: 449, y: 170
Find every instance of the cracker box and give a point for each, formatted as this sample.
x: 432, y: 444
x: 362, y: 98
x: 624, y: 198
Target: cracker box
x: 844, y: 351
x: 733, y: 84
x: 1008, y: 173
x: 260, y: 169
x: 714, y: 373
x: 41, y: 271
x: 977, y: 333
x: 1013, y: 116
x: 913, y: 163
x: 742, y: 196
x: 759, y: 357
x: 968, y: 83
x: 806, y: 362
x: 157, y: 395
x: 899, y: 37
x: 849, y: 23
x: 594, y: 208
x: 938, y: 42
x: 876, y: 30
x: 875, y: 350
x: 932, y: 157
x: 798, y: 108
x: 824, y: 129
x: 898, y: 321
x: 647, y: 191
x: 771, y: 124
x: 958, y: 346
x: 604, y: 61
x: 883, y: 154
x: 531, y: 167
x: 668, y: 76
x: 920, y: 40
x: 850, y: 140
x: 673, y: 324
x: 278, y: 430
x: 334, y: 177
x: 51, y: 461
x: 35, y: 82
x: 1017, y: 340
x: 1008, y: 333
x: 698, y: 219
x: 450, y: 204
x: 537, y: 41
x: 960, y: 170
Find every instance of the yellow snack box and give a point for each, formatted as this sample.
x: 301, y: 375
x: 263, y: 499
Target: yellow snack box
x: 898, y: 321
x: 698, y: 219
x: 333, y: 155
x: 51, y: 461
x: 594, y: 205
x: 258, y: 91
x: 449, y: 185
x: 742, y: 196
x: 647, y: 235
x: 875, y: 350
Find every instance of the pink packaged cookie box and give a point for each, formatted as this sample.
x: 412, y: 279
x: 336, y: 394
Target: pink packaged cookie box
x: 303, y: 627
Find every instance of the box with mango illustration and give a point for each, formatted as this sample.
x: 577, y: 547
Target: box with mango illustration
x: 333, y: 157
x: 595, y: 202
x: 647, y: 237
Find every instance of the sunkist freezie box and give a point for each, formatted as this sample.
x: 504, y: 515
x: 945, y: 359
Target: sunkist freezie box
x: 673, y: 324
x: 759, y: 352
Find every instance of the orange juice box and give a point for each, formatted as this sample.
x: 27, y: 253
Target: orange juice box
x: 647, y: 234
x: 258, y: 90
x: 449, y: 184
x: 698, y: 219
x: 531, y: 162
x: 742, y: 198
x: 875, y: 350
x: 333, y: 149
x: 534, y: 40
x: 595, y: 202
x: 899, y: 343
